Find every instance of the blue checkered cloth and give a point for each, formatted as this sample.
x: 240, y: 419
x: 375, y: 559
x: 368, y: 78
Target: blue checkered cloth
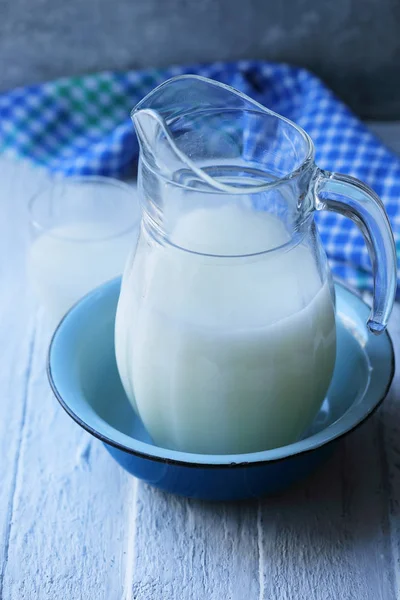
x: 81, y: 125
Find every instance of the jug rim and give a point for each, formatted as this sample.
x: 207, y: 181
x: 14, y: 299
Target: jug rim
x: 217, y: 187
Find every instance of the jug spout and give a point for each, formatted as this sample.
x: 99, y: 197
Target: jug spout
x: 167, y: 126
x: 160, y: 149
x: 173, y: 131
x: 189, y: 124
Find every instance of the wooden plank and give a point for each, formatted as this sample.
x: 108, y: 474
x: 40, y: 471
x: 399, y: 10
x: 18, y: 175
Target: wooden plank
x: 391, y: 450
x: 191, y: 550
x: 16, y: 334
x: 64, y: 504
x: 71, y: 505
x: 332, y: 537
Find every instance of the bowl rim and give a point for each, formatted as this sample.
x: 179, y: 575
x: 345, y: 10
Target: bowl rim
x: 230, y: 461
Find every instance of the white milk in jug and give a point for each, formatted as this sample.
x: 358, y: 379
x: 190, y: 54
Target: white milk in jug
x: 225, y: 354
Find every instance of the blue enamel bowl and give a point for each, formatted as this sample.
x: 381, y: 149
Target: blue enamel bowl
x: 84, y: 377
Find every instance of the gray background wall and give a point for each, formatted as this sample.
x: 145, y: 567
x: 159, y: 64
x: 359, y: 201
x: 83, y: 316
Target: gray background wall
x: 354, y: 45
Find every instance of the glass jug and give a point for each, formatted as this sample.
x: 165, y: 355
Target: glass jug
x: 225, y: 328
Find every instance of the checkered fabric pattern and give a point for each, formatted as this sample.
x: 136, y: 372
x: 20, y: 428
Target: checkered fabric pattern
x: 81, y: 125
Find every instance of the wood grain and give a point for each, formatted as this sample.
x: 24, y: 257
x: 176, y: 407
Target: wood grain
x: 187, y: 549
x: 16, y: 334
x: 390, y: 449
x: 65, y: 504
x: 333, y: 536
x: 329, y: 538
x: 70, y: 508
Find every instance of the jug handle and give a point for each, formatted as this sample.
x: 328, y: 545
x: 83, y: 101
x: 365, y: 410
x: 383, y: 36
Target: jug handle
x: 353, y: 199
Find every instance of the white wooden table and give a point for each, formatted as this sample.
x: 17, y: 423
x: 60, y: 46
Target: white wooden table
x: 73, y: 525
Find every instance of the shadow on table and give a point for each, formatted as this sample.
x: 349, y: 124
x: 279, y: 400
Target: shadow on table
x: 345, y: 501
